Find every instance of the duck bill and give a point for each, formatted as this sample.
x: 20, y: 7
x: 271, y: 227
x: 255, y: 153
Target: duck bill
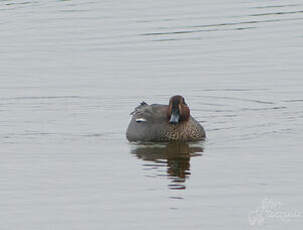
x: 174, y: 118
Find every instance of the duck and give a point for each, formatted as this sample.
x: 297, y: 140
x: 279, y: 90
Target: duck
x: 164, y: 123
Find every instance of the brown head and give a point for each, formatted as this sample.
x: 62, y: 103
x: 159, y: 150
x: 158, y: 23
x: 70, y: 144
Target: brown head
x: 178, y: 110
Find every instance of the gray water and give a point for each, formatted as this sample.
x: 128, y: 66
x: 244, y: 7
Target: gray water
x: 72, y: 71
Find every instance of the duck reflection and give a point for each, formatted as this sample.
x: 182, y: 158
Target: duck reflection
x: 175, y: 156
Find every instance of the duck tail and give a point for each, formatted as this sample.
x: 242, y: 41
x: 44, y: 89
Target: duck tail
x: 142, y: 104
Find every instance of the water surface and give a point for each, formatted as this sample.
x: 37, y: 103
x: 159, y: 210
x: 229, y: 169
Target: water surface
x: 71, y: 73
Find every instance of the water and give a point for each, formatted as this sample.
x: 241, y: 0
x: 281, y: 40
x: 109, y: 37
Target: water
x: 72, y: 71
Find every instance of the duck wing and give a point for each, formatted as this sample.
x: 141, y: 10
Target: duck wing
x: 154, y: 113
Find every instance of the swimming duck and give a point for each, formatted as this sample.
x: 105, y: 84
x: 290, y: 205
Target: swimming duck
x: 164, y: 123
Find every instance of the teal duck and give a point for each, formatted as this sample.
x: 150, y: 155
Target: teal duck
x: 164, y: 123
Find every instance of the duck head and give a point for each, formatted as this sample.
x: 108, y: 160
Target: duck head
x: 178, y: 111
